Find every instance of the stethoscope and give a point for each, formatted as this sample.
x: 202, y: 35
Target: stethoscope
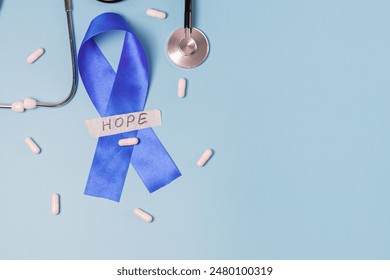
x: 18, y: 106
x: 187, y: 47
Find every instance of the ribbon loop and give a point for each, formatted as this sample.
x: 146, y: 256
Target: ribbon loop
x: 119, y: 93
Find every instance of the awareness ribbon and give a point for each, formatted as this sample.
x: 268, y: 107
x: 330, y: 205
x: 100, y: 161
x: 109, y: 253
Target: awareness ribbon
x: 120, y: 93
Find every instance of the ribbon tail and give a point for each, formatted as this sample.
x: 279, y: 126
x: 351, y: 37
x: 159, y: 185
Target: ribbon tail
x: 152, y: 162
x: 109, y: 168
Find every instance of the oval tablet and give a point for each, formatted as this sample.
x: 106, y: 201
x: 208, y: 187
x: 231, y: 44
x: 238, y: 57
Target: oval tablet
x: 156, y: 13
x: 32, y: 145
x: 35, y: 55
x: 182, y: 88
x: 205, y: 157
x: 143, y: 215
x: 128, y: 142
x: 55, y: 203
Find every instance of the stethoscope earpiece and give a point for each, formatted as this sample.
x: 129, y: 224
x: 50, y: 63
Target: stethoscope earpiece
x: 188, y: 47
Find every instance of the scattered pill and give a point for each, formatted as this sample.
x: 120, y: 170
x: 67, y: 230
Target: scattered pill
x: 143, y: 215
x: 55, y: 203
x: 156, y: 13
x: 128, y: 142
x: 205, y: 157
x: 18, y: 107
x: 182, y: 88
x: 32, y: 145
x: 29, y: 103
x: 35, y: 55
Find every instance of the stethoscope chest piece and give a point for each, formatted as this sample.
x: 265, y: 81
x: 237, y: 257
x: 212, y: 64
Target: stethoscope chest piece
x: 188, y: 49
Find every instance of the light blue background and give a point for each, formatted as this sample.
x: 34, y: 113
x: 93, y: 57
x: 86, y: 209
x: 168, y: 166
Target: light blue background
x: 294, y: 99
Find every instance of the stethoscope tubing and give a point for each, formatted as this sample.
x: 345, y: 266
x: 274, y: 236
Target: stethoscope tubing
x: 68, y: 9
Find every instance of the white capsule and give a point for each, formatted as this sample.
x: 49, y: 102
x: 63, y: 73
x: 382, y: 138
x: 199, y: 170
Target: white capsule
x: 55, y: 203
x: 18, y: 107
x: 29, y: 103
x: 143, y: 215
x: 35, y: 55
x: 182, y: 87
x: 205, y: 157
x: 128, y: 142
x: 32, y: 145
x: 156, y: 13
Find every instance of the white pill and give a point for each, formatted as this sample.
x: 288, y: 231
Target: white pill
x: 29, y: 103
x: 128, y: 142
x: 182, y: 87
x: 143, y: 215
x: 156, y: 13
x: 204, y: 157
x: 55, y: 203
x: 35, y: 55
x: 18, y: 107
x: 32, y: 145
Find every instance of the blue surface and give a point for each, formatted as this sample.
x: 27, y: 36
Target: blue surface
x: 294, y: 99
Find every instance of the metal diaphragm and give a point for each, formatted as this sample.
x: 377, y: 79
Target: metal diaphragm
x: 188, y: 51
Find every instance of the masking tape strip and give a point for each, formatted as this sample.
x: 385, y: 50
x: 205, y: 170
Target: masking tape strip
x: 123, y: 123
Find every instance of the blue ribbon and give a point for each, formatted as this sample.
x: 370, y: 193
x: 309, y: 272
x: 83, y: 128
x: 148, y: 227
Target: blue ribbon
x: 120, y: 93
